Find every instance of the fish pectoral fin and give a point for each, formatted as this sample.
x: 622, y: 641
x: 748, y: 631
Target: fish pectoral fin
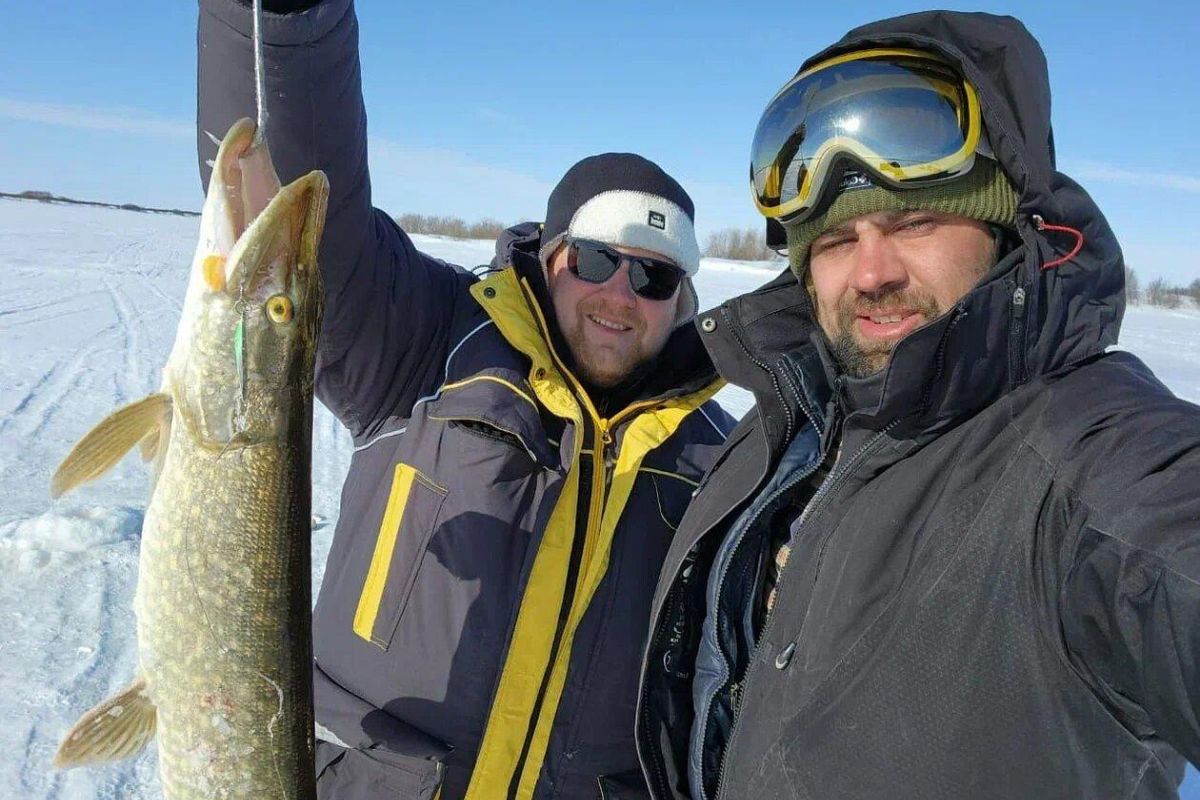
x: 153, y: 442
x: 107, y: 443
x: 154, y: 445
x: 118, y: 728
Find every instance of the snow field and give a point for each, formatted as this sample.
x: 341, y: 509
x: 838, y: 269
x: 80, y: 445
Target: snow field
x: 88, y: 307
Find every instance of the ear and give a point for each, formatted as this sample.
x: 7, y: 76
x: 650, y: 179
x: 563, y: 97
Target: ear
x: 554, y: 263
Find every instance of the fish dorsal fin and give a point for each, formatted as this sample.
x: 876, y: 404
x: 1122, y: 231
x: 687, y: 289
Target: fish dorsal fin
x: 117, y: 728
x: 108, y: 442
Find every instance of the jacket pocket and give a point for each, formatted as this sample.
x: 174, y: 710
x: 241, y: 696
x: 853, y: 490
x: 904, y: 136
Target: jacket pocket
x: 493, y: 423
x: 623, y: 786
x: 409, y: 521
x: 374, y: 773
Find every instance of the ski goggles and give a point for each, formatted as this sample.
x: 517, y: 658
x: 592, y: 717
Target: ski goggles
x: 596, y: 262
x: 905, y: 116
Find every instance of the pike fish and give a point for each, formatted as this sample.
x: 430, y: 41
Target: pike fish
x: 223, y: 600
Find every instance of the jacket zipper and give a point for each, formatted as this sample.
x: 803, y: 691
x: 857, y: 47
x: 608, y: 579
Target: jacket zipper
x: 594, y: 472
x: 837, y: 476
x: 1016, y: 341
x: 495, y: 437
x: 601, y: 469
x: 659, y: 628
x: 840, y: 471
x: 738, y: 686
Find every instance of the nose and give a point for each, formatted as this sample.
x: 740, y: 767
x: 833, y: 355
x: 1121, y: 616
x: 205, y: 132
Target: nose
x: 876, y: 267
x: 617, y: 289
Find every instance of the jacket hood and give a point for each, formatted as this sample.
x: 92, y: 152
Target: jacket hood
x: 1023, y: 320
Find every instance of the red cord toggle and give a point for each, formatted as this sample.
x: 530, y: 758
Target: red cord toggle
x: 1042, y: 225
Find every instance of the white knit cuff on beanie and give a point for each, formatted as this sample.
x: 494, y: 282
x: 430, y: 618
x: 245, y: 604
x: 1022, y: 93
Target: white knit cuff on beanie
x: 627, y: 218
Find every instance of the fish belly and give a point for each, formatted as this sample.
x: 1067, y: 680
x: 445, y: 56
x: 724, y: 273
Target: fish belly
x: 224, y: 623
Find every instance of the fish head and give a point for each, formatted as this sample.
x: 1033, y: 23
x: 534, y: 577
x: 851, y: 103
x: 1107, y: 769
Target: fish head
x: 242, y: 368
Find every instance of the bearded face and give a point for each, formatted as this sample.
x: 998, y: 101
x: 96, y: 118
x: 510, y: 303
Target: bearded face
x: 611, y: 330
x: 878, y: 277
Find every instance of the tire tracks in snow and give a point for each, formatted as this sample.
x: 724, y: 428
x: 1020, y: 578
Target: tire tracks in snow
x: 38, y: 406
x: 130, y: 381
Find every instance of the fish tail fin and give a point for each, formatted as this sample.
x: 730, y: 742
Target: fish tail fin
x: 107, y: 443
x: 118, y: 728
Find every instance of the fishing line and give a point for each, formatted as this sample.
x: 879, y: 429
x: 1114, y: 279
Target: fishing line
x: 260, y: 88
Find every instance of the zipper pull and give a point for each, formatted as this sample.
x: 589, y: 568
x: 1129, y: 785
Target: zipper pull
x: 606, y: 439
x: 1016, y: 338
x: 785, y: 656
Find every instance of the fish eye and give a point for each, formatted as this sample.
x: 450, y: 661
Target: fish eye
x: 279, y: 308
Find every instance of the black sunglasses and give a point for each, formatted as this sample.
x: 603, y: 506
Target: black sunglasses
x: 596, y: 262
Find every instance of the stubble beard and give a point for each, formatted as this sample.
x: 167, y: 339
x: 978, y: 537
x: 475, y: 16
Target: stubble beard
x: 863, y: 359
x: 597, y: 370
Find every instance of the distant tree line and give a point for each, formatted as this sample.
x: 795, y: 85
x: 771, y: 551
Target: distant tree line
x: 740, y: 244
x: 49, y: 197
x: 1160, y: 293
x: 434, y: 225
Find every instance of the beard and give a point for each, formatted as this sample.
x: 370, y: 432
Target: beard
x: 607, y: 367
x: 860, y: 359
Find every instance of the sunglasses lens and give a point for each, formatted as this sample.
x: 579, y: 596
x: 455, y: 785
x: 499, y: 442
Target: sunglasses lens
x: 596, y: 263
x: 654, y: 280
x: 593, y: 264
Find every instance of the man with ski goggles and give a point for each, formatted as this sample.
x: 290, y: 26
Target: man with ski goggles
x: 954, y: 551
x: 526, y: 440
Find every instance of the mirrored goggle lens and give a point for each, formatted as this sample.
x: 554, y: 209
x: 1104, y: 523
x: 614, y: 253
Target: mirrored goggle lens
x: 904, y: 117
x: 596, y: 263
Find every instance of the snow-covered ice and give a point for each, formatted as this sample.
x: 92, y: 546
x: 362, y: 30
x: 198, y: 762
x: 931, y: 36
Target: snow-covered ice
x: 89, y: 302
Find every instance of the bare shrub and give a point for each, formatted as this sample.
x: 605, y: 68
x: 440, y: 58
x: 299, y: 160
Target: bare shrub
x: 1159, y: 293
x: 739, y: 244
x: 487, y: 228
x: 435, y: 225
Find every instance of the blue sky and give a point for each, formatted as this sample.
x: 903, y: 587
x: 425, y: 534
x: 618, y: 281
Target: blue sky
x: 477, y: 108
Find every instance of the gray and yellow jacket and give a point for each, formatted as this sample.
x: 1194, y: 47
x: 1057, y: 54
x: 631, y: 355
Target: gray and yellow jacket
x: 484, y: 605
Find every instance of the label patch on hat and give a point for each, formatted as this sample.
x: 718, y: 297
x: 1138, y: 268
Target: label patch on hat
x: 657, y: 220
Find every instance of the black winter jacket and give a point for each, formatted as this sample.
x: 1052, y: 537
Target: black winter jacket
x: 995, y: 593
x: 485, y: 596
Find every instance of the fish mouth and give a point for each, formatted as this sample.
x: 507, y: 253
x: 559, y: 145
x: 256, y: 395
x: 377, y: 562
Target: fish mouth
x: 242, y: 183
x: 278, y: 250
x: 256, y: 223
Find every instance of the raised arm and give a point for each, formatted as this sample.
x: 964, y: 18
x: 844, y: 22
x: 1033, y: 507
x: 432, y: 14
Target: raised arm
x: 388, y: 307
